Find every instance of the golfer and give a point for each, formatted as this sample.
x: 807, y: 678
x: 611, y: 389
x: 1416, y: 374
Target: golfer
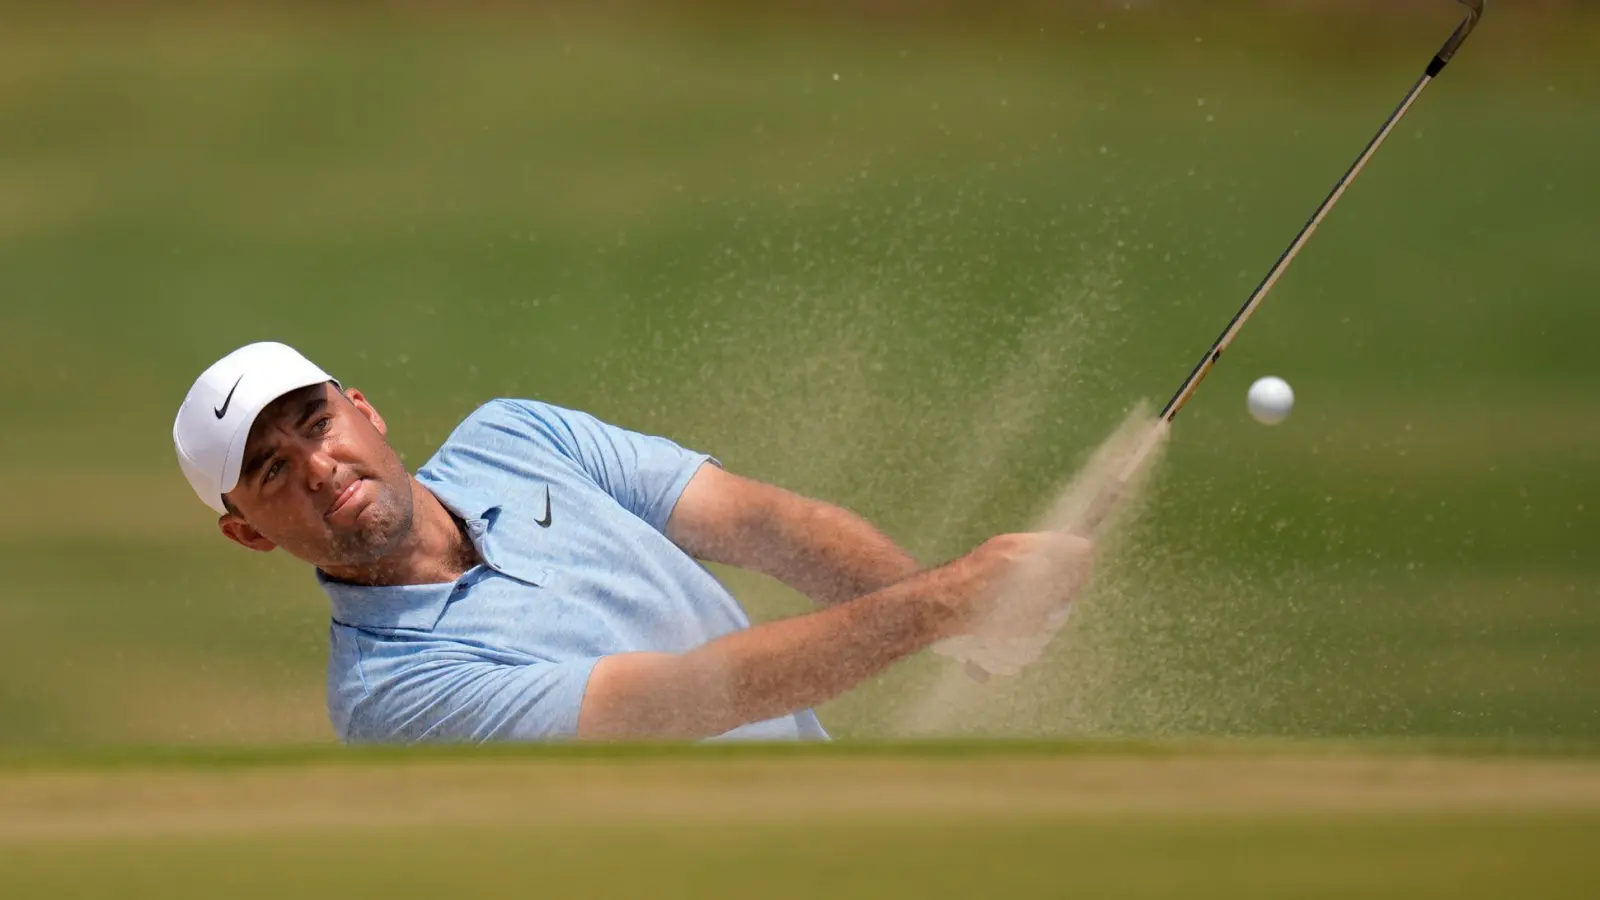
x: 539, y: 578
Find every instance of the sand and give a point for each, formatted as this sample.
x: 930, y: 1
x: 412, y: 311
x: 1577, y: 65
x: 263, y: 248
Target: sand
x: 1096, y: 504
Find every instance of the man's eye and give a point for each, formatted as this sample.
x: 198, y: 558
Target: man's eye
x: 272, y: 471
x: 321, y: 425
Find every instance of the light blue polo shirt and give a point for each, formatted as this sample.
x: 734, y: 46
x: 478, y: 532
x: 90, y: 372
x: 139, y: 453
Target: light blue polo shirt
x: 505, y: 652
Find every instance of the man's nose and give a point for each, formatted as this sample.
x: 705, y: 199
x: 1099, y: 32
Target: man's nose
x: 320, y: 469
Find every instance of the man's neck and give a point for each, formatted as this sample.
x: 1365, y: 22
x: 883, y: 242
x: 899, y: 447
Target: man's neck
x: 436, y: 550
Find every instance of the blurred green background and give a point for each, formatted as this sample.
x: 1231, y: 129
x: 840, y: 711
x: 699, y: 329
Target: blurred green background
x: 917, y: 262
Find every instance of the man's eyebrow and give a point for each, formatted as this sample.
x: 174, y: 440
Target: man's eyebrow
x: 311, y: 408
x: 260, y: 457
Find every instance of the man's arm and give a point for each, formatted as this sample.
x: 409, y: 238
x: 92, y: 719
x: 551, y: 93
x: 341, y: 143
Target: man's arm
x: 781, y: 667
x: 827, y: 553
x: 820, y: 550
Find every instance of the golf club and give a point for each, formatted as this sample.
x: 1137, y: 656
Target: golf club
x: 1108, y: 499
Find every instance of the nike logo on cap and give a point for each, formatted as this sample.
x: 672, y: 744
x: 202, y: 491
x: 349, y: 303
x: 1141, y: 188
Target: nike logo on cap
x: 223, y: 410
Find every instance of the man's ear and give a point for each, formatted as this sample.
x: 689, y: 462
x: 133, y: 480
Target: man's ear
x: 239, y: 531
x: 359, y: 400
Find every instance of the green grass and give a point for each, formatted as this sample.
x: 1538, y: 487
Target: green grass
x: 201, y: 758
x: 953, y: 820
x: 1474, y: 856
x: 924, y: 289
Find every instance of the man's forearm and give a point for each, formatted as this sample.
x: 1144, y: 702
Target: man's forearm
x: 828, y: 553
x: 805, y: 661
x: 773, y: 669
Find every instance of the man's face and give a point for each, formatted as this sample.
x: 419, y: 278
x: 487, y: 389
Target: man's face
x: 320, y: 480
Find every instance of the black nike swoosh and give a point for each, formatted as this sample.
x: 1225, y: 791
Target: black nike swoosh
x: 227, y: 400
x: 545, y: 522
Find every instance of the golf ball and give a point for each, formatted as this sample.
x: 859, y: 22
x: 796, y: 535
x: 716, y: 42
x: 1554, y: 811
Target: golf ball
x: 1270, y: 400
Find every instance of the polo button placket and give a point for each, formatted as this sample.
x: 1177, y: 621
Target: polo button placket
x: 478, y: 528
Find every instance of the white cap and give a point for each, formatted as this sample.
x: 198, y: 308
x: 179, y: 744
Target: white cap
x: 214, y: 421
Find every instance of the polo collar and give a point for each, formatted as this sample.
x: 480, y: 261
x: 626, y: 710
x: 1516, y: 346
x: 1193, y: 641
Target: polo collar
x: 416, y: 607
x: 473, y: 508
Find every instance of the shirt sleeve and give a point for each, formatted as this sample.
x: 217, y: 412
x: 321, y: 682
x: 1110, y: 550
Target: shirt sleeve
x: 644, y: 473
x: 475, y: 702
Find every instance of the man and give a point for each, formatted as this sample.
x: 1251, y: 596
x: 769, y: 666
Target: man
x: 538, y: 577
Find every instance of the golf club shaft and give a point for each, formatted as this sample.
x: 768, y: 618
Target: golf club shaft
x: 1107, y: 501
x: 1111, y: 497
x: 1440, y: 59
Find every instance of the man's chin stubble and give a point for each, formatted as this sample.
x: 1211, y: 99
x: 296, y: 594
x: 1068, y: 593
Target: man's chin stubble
x: 380, y: 538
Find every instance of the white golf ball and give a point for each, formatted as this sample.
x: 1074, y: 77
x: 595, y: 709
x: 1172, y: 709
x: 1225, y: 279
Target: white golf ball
x: 1270, y: 400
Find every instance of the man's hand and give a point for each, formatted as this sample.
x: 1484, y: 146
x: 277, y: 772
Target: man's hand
x: 1027, y: 578
x: 1030, y: 604
x: 783, y: 667
x: 827, y: 553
